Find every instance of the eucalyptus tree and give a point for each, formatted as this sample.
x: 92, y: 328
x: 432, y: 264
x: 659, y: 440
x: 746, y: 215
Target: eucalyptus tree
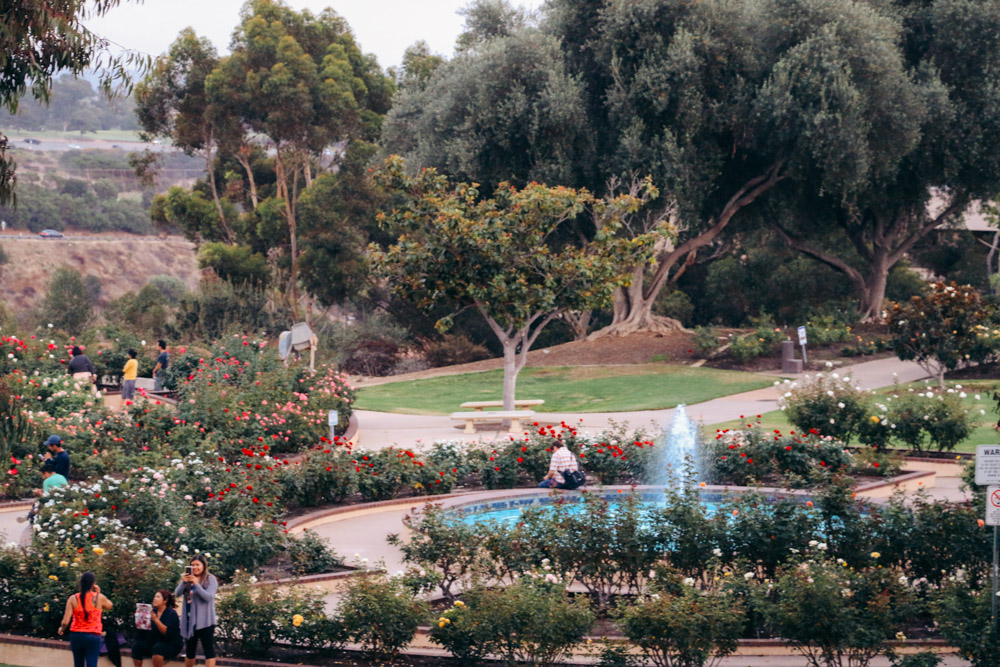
x: 171, y: 103
x: 38, y: 40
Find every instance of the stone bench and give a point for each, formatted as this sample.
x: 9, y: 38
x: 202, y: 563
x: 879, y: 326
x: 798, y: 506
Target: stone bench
x: 515, y: 417
x: 518, y: 403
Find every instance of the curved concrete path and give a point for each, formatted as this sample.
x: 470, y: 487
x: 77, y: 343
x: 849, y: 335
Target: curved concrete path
x: 383, y: 429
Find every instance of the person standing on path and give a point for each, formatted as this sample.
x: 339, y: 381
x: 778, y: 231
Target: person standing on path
x: 562, y: 461
x: 197, y: 589
x: 159, y: 371
x: 80, y: 366
x: 83, y: 618
x: 129, y: 373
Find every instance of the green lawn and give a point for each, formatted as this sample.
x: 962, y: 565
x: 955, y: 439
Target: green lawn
x: 982, y: 434
x: 566, y: 389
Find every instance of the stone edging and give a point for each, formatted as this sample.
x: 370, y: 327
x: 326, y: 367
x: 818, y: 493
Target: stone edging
x: 746, y: 647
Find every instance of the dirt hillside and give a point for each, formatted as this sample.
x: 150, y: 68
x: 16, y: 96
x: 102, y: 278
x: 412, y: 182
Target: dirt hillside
x: 121, y: 262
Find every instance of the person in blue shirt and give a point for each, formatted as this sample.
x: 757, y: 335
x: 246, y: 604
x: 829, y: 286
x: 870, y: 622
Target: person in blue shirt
x: 57, y: 455
x: 160, y: 370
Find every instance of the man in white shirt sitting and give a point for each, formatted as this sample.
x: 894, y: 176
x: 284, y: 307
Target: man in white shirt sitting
x: 562, y: 460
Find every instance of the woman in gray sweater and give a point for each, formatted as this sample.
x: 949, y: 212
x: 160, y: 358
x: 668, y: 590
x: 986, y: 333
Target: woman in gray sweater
x: 197, y: 591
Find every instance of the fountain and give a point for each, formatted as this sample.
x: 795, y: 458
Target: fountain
x: 676, y: 447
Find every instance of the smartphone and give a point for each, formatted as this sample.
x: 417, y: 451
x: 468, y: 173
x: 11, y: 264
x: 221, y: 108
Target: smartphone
x: 187, y: 570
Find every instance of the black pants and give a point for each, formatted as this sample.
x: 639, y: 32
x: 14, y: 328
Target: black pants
x: 207, y: 637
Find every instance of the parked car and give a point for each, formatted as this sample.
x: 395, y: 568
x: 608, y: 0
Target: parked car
x: 32, y: 141
x: 50, y: 234
x: 74, y: 146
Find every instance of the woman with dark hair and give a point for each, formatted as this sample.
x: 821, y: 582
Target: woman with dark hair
x: 198, y: 589
x: 83, y: 618
x: 80, y: 366
x: 162, y: 641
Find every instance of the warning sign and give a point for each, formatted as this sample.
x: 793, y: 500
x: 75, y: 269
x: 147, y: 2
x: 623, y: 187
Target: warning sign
x: 988, y: 464
x: 993, y: 506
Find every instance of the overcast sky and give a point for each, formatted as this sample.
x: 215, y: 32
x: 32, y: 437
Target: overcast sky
x: 382, y: 27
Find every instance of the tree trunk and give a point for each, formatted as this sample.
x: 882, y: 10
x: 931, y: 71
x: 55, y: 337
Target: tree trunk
x: 243, y: 157
x: 284, y: 193
x: 873, y: 289
x: 633, y: 307
x: 210, y: 168
x: 579, y: 321
x: 510, y: 370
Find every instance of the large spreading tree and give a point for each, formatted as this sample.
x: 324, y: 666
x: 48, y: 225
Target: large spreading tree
x: 950, y: 136
x: 502, y: 255
x: 721, y: 102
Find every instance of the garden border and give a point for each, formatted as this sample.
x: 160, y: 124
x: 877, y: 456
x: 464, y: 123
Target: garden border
x: 37, y: 652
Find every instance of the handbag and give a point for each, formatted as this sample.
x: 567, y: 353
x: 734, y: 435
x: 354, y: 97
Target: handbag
x: 573, y: 479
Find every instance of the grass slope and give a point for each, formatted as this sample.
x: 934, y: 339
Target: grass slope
x: 566, y: 389
x: 983, y: 432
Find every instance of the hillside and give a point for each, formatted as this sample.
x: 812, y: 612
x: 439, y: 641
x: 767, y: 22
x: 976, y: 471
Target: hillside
x: 121, y: 262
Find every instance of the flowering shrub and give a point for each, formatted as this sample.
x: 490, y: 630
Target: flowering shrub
x: 676, y: 625
x: 825, y: 403
x: 244, y: 395
x: 924, y: 419
x: 964, y: 614
x: 532, y: 622
x: 753, y: 455
x: 309, y: 554
x: 253, y: 618
x: 381, y: 614
x: 59, y: 396
x: 943, y: 329
x: 836, y: 615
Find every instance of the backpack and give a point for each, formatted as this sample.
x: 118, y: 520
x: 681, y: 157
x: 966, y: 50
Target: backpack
x: 573, y: 479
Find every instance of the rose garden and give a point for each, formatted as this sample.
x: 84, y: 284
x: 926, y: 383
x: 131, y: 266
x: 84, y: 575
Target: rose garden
x: 762, y: 534
x: 618, y: 227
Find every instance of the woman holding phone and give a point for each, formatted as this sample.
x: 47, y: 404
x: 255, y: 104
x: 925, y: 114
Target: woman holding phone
x: 83, y: 618
x: 162, y: 641
x: 197, y: 591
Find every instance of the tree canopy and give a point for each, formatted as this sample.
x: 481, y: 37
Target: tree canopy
x: 501, y: 255
x: 38, y: 40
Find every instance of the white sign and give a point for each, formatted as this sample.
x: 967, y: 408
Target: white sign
x: 987, y: 464
x: 802, y: 335
x: 993, y: 506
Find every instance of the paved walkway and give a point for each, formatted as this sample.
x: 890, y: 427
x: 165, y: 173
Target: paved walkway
x: 382, y: 429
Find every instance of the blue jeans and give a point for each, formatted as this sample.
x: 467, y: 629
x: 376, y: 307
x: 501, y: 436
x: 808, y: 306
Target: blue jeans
x: 551, y: 483
x: 158, y: 381
x: 128, y: 390
x: 86, y: 647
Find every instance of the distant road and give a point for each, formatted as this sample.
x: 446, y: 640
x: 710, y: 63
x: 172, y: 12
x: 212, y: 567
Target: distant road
x: 30, y: 236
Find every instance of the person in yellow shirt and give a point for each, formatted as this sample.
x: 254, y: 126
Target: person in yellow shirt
x: 129, y: 374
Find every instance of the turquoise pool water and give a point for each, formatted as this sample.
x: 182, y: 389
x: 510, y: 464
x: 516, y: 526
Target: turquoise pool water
x: 511, y: 515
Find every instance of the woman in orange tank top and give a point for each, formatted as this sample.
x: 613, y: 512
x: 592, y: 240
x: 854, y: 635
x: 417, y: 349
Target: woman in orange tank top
x: 83, y: 618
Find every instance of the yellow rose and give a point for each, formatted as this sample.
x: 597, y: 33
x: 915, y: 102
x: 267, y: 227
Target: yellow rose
x: 876, y: 554
x: 46, y: 607
x: 63, y: 563
x: 459, y: 603
x: 53, y: 577
x: 297, y: 620
x: 99, y: 551
x: 874, y: 419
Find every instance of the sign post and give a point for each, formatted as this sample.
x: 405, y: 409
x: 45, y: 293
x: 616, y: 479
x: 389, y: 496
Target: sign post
x: 802, y: 342
x: 988, y: 474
